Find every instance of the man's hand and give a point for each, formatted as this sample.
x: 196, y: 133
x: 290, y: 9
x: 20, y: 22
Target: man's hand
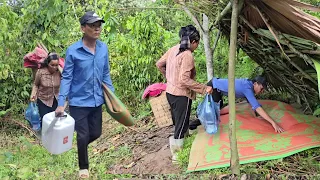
x: 265, y: 116
x: 33, y: 99
x: 209, y: 89
x: 277, y: 128
x: 59, y: 111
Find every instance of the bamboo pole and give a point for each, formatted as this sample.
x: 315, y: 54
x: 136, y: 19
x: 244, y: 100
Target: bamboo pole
x: 207, y: 49
x: 223, y: 13
x: 226, y: 10
x: 234, y: 161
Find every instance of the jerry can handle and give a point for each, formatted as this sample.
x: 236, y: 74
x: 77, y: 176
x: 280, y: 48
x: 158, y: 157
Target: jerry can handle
x: 54, y: 122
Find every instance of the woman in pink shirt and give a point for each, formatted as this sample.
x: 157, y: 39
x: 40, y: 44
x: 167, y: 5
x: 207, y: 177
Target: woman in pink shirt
x: 178, y: 66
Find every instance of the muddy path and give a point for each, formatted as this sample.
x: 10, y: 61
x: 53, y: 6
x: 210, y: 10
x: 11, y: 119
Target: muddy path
x: 149, y: 145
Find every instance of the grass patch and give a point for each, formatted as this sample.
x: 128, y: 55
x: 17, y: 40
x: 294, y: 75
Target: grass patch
x: 24, y: 159
x: 118, y: 130
x: 183, y: 155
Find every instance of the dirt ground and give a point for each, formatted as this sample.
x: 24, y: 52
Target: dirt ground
x: 149, y: 145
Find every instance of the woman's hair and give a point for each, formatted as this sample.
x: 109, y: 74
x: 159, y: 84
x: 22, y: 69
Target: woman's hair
x: 51, y: 56
x: 187, y: 35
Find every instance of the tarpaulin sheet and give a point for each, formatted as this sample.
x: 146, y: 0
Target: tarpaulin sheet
x: 256, y: 138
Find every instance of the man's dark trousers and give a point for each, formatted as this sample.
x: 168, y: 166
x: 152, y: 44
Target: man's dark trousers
x: 88, y: 125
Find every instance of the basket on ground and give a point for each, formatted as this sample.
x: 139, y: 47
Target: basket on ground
x: 161, y: 110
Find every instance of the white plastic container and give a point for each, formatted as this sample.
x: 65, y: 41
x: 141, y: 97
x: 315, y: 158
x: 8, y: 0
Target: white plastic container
x: 57, y: 133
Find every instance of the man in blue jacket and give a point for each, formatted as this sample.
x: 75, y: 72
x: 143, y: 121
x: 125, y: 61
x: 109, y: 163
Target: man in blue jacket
x: 244, y: 88
x: 86, y: 68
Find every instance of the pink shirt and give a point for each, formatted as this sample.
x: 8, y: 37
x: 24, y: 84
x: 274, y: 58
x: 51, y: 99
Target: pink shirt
x: 180, y: 73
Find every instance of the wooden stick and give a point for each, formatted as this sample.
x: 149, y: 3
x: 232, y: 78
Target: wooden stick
x: 303, y: 56
x: 223, y: 13
x: 311, y: 52
x: 21, y: 124
x: 306, y: 52
x: 247, y: 23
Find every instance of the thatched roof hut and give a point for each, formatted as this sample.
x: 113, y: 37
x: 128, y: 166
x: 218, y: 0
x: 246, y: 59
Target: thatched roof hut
x: 282, y: 39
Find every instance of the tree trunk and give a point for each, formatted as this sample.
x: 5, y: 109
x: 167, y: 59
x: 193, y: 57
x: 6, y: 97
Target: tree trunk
x: 234, y: 161
x: 204, y: 29
x: 207, y: 48
x: 215, y: 46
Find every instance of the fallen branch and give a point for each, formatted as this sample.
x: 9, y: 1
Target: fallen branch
x: 21, y: 125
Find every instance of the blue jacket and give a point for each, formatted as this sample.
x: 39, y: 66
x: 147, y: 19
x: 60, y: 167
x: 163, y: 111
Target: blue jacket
x: 243, y: 89
x: 83, y: 75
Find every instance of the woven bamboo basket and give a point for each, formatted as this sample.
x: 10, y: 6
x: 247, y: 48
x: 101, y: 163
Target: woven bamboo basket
x: 161, y: 110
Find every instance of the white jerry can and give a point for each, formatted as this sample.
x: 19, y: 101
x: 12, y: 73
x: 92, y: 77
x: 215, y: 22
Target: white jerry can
x: 57, y: 132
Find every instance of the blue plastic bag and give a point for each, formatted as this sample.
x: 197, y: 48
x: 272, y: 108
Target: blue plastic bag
x: 33, y: 117
x: 208, y: 113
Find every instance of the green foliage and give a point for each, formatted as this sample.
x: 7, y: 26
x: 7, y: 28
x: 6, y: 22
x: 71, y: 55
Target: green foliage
x: 244, y: 64
x: 53, y: 22
x: 134, y: 55
x: 14, y: 83
x: 24, y: 26
x: 221, y: 58
x: 49, y: 25
x: 317, y: 111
